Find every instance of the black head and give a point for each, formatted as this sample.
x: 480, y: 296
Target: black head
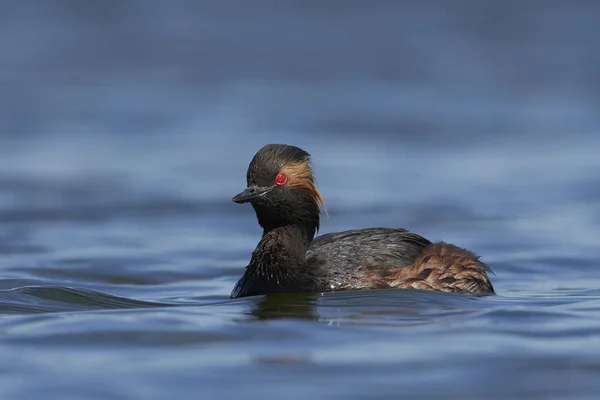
x: 281, y: 187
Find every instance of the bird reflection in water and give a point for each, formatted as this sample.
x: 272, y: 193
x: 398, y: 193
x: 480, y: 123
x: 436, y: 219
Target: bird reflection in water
x: 279, y: 306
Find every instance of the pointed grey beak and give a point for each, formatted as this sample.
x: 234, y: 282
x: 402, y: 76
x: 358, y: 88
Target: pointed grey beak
x: 251, y: 193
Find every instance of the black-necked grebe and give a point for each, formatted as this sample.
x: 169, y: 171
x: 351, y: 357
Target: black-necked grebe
x: 282, y: 190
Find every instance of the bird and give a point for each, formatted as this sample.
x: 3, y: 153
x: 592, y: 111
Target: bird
x: 289, y: 258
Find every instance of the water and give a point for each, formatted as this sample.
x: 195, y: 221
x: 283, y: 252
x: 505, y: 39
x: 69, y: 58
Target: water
x: 126, y: 128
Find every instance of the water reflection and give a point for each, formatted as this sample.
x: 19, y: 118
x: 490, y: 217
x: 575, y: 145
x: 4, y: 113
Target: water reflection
x: 281, y: 306
x: 368, y: 307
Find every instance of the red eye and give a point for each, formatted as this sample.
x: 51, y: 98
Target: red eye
x: 280, y: 179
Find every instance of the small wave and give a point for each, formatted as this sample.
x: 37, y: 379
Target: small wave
x: 45, y: 299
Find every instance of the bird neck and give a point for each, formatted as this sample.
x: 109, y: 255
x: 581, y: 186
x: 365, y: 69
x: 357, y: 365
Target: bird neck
x: 278, y: 263
x: 300, y: 232
x: 290, y: 221
x: 282, y: 249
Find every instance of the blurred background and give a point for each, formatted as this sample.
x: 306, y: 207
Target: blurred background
x: 127, y: 126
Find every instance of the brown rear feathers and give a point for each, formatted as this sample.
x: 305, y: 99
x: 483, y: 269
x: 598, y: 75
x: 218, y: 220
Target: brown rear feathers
x: 439, y: 266
x: 443, y: 267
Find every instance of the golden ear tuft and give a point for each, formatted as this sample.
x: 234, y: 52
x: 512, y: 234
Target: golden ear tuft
x: 300, y: 175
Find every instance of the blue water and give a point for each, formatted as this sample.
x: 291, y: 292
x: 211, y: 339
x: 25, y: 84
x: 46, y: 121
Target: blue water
x: 126, y: 128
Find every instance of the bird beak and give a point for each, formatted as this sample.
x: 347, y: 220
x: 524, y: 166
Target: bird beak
x: 251, y: 193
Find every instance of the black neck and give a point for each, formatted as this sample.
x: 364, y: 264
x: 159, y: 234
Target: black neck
x: 293, y: 236
x: 305, y: 218
x: 278, y: 263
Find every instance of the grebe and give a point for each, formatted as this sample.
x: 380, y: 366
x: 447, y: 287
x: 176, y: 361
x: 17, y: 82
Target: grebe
x: 288, y: 259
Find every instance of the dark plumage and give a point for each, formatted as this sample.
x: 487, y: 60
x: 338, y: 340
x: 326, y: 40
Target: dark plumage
x: 282, y: 191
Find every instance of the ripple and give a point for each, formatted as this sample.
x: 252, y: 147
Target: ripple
x: 46, y: 299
